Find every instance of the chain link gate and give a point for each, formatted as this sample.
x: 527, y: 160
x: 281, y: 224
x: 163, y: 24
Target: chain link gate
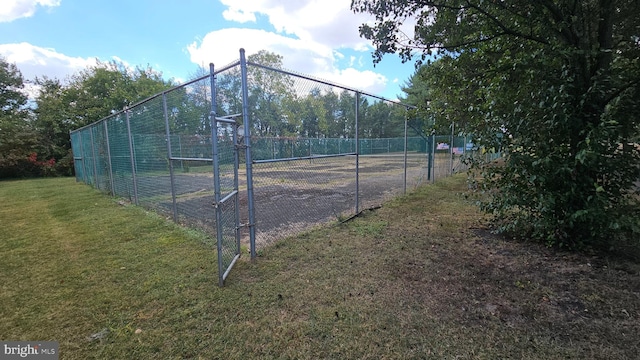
x: 225, y: 179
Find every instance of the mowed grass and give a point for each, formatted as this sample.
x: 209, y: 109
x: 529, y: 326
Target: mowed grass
x: 419, y: 278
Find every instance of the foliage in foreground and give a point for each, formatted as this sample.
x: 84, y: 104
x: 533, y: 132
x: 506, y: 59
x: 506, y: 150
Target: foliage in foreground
x: 555, y: 85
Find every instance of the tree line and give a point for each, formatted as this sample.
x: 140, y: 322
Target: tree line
x: 283, y: 105
x: 34, y: 132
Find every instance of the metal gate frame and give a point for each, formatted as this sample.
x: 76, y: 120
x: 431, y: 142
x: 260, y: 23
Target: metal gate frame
x: 227, y: 234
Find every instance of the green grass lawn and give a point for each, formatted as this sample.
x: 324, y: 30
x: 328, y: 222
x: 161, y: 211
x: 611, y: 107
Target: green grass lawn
x: 419, y: 278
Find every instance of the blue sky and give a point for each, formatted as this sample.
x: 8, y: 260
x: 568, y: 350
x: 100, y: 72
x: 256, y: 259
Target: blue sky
x: 57, y: 38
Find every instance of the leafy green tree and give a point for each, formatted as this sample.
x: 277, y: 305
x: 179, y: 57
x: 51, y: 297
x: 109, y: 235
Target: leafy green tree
x: 346, y: 115
x: 313, y: 115
x: 269, y: 93
x: 556, y: 84
x: 330, y: 102
x: 52, y: 123
x: 229, y: 92
x: 268, y: 90
x: 416, y: 90
x: 105, y: 88
x: 12, y: 97
x: 18, y: 139
x: 90, y: 95
x: 190, y: 105
x: 381, y: 121
x: 420, y: 119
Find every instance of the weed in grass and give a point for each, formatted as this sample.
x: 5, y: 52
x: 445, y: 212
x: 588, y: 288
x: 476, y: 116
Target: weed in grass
x: 370, y: 228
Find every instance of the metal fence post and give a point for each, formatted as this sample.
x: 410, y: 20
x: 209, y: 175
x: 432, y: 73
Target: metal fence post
x: 451, y: 146
x: 357, y: 154
x: 236, y: 167
x: 111, y: 179
x: 433, y: 154
x: 248, y: 159
x: 170, y: 156
x: 404, y: 182
x: 464, y: 145
x: 83, y: 155
x: 427, y: 152
x: 181, y: 155
x: 95, y: 159
x: 132, y: 158
x: 216, y: 177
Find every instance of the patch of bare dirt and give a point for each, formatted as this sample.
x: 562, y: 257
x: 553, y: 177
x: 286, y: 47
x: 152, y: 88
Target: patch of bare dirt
x: 487, y: 283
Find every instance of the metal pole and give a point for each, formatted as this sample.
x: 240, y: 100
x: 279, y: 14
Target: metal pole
x: 464, y: 145
x: 112, y: 181
x: 451, y: 147
x: 433, y: 154
x: 404, y: 189
x: 95, y: 159
x: 357, y: 155
x: 236, y: 185
x: 427, y: 151
x: 181, y: 154
x: 248, y: 159
x: 464, y: 149
x: 170, y: 157
x: 216, y: 178
x: 74, y: 149
x: 132, y: 158
x: 84, y: 167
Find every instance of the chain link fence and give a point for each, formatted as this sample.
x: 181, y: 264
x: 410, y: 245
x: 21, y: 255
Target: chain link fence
x: 317, y: 151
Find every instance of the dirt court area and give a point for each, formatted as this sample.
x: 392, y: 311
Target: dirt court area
x: 294, y: 196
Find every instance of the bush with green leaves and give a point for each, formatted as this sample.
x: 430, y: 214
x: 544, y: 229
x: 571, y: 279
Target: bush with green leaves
x: 555, y: 85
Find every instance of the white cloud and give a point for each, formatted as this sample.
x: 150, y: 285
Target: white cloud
x: 304, y: 56
x: 37, y: 61
x: 126, y: 64
x: 367, y: 80
x: 15, y: 9
x: 238, y: 15
x: 330, y: 22
x: 308, y: 34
